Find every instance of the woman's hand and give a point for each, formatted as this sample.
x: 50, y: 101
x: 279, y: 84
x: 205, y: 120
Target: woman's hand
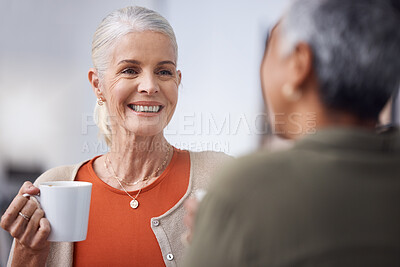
x: 25, y: 221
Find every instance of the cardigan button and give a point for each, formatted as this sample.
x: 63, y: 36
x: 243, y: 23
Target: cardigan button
x: 170, y: 257
x: 156, y: 223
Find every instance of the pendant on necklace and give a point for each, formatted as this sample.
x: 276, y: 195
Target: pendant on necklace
x: 134, y: 204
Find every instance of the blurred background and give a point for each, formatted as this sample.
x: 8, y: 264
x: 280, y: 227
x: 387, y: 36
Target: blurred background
x: 46, y: 101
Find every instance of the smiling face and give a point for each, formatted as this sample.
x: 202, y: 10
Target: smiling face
x: 140, y: 85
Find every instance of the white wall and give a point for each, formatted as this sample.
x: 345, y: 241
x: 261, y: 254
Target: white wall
x: 221, y: 44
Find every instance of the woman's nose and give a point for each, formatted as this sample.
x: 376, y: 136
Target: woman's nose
x: 148, y: 85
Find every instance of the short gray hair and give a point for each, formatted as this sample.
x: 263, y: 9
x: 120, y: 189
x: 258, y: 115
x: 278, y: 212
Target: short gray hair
x: 356, y: 50
x: 113, y: 27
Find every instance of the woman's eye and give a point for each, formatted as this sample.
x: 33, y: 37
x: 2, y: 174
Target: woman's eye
x: 129, y: 71
x: 165, y: 72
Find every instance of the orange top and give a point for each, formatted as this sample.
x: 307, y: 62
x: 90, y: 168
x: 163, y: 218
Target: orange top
x: 119, y: 235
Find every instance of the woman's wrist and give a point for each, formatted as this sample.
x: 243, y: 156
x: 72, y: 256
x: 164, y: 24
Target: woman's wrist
x: 24, y: 256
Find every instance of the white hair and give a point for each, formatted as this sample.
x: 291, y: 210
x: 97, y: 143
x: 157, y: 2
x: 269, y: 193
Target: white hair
x: 113, y: 27
x: 356, y: 50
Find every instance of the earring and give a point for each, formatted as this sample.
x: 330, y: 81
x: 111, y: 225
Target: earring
x: 290, y: 93
x: 100, y: 101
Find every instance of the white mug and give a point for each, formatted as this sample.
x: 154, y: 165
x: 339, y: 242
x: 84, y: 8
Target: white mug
x: 66, y: 205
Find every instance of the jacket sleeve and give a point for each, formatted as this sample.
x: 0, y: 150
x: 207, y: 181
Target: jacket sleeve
x: 219, y: 238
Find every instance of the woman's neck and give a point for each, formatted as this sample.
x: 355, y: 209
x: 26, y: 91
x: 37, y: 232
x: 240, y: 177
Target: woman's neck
x: 133, y: 158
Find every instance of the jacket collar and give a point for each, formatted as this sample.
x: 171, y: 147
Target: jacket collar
x: 353, y: 138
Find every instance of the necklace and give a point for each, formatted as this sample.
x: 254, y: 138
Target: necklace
x: 134, y: 202
x: 142, y: 179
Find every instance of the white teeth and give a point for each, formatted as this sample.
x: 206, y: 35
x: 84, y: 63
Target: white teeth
x: 138, y: 108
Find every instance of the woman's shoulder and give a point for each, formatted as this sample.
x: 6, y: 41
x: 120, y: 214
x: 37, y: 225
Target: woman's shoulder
x: 204, y: 164
x: 60, y: 173
x: 209, y: 157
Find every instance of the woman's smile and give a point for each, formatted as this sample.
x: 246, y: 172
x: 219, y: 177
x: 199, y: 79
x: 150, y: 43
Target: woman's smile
x: 146, y: 108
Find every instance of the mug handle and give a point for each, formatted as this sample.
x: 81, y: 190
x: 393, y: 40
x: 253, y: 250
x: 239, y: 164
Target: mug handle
x: 37, y: 197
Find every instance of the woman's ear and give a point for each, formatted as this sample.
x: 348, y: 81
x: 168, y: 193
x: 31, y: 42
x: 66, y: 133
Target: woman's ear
x: 94, y: 81
x: 179, y: 77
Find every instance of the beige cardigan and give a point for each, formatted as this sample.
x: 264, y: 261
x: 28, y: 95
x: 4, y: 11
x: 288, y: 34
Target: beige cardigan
x: 167, y: 228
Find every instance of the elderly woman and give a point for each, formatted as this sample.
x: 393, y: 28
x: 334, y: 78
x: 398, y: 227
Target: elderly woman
x: 332, y: 199
x: 140, y: 184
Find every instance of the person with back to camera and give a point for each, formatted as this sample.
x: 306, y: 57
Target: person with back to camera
x: 140, y: 184
x: 332, y: 199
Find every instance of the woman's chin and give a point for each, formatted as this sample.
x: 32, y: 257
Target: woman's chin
x: 146, y: 130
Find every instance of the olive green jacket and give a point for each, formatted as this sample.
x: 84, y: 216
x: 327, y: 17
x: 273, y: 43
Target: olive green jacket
x: 167, y: 228
x: 331, y: 200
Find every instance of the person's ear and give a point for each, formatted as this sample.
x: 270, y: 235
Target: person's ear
x: 179, y: 77
x: 93, y: 76
x: 300, y: 66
